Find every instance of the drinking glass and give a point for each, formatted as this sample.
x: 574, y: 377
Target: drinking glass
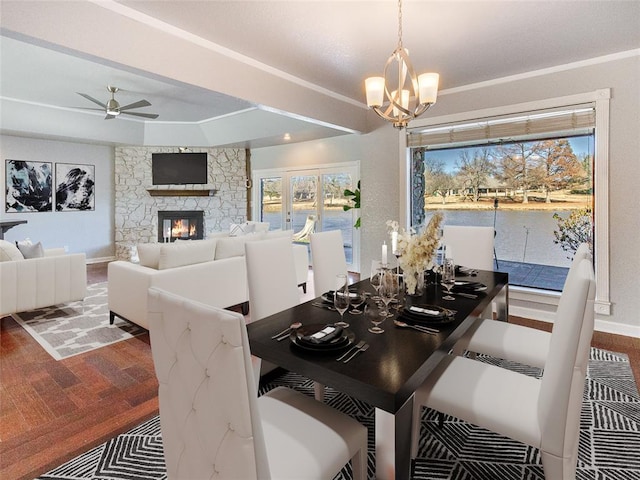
x: 388, y: 289
x: 374, y: 279
x: 373, y: 311
x: 341, y: 299
x: 357, y: 300
x: 448, y: 279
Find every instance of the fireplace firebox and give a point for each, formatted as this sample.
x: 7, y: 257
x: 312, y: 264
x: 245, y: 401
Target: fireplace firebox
x: 182, y: 224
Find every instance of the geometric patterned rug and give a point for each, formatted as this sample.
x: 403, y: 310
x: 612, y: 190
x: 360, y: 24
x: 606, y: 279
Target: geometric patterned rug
x: 609, y: 437
x: 76, y: 327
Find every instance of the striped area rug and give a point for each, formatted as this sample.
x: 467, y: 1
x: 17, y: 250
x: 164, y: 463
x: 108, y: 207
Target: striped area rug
x: 609, y: 438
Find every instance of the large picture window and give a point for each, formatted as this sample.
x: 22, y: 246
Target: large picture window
x: 530, y: 176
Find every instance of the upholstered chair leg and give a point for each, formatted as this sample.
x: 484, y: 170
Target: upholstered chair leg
x: 112, y: 317
x: 245, y: 308
x: 318, y: 391
x: 558, y: 468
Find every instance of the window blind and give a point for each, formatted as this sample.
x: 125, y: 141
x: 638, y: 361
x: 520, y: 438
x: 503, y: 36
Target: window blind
x: 576, y: 120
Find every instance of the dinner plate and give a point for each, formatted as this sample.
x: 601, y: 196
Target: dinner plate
x: 466, y: 286
x: 345, y: 340
x: 440, y: 318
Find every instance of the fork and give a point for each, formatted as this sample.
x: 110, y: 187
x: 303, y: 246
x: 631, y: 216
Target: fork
x: 361, y: 349
x: 359, y: 345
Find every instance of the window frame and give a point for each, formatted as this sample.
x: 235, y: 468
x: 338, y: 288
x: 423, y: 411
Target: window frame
x: 523, y: 299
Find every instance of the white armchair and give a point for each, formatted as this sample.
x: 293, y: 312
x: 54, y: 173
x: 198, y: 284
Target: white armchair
x: 213, y: 423
x: 54, y: 279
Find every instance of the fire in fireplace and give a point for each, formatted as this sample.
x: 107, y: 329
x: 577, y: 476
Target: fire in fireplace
x: 182, y: 224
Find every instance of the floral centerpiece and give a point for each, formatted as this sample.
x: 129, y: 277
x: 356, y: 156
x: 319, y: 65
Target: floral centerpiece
x: 416, y: 250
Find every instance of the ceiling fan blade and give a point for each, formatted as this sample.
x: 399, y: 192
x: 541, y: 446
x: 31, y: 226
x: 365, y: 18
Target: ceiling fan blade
x: 91, y: 99
x: 145, y: 115
x: 139, y: 104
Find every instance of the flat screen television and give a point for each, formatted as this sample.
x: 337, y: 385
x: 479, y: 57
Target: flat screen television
x: 178, y: 168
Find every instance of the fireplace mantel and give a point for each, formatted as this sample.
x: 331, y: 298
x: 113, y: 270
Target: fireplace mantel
x: 171, y: 192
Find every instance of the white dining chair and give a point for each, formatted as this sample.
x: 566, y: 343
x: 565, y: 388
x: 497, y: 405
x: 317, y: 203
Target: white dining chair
x: 272, y: 283
x: 472, y: 245
x: 543, y: 413
x: 525, y: 345
x: 327, y: 260
x: 213, y: 423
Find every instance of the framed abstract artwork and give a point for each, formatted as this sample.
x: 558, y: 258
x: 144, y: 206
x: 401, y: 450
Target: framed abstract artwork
x: 28, y: 186
x: 75, y: 187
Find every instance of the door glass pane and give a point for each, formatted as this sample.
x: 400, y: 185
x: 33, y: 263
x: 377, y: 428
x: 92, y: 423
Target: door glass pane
x: 271, y: 202
x: 334, y: 217
x: 304, y: 190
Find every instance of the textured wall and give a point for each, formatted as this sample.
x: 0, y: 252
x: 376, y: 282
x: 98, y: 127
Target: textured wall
x: 136, y: 211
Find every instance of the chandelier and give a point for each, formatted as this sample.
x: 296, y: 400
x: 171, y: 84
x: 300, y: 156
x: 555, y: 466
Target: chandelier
x: 411, y: 95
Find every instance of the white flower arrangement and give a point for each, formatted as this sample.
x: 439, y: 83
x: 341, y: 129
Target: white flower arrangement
x: 416, y: 250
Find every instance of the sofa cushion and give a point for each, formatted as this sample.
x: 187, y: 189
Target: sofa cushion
x: 234, y: 246
x: 280, y: 233
x: 149, y: 254
x: 30, y: 250
x: 9, y: 252
x: 186, y: 253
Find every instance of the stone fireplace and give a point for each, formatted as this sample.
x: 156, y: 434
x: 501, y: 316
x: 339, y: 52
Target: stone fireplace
x: 182, y: 224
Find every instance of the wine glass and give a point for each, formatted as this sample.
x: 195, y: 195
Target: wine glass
x: 448, y: 279
x: 374, y: 314
x: 341, y: 299
x: 388, y: 289
x: 357, y: 300
x: 374, y: 279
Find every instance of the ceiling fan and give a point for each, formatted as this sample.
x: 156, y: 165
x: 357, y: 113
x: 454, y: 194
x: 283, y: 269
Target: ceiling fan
x: 112, y: 108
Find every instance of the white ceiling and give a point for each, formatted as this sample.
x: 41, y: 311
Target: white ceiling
x: 306, y: 60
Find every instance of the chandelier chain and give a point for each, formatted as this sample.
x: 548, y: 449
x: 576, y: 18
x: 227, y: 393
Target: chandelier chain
x: 399, y: 23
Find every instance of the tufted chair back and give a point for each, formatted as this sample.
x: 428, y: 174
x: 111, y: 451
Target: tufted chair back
x: 208, y: 400
x: 328, y: 260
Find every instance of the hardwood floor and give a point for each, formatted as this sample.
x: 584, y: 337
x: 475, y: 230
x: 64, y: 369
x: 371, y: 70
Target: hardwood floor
x: 51, y: 411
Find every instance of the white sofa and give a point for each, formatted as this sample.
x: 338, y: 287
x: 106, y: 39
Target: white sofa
x: 211, y: 271
x: 28, y: 284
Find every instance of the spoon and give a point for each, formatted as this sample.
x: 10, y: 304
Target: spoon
x: 416, y: 327
x: 285, y: 333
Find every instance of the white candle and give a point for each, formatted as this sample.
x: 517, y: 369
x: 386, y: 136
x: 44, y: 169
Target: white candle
x: 394, y: 242
x: 384, y: 253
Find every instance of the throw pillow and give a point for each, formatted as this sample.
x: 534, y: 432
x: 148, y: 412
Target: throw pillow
x: 280, y: 233
x: 260, y: 226
x: 149, y: 254
x: 29, y: 250
x: 234, y: 246
x: 240, y: 229
x: 9, y: 252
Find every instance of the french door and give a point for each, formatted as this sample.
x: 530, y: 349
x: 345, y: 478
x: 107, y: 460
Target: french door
x: 305, y: 200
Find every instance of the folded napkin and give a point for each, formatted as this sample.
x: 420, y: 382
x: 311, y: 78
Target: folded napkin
x: 326, y: 335
x: 330, y: 294
x: 424, y: 311
x: 461, y: 286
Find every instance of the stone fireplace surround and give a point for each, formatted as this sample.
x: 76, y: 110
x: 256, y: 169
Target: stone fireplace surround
x: 136, y: 210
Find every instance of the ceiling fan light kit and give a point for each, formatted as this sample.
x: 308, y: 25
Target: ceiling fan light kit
x: 412, y: 95
x: 112, y: 108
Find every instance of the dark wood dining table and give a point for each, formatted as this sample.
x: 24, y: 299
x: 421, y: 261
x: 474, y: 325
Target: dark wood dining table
x: 396, y: 363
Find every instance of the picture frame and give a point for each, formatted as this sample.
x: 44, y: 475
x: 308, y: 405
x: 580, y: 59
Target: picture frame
x: 29, y: 186
x: 75, y: 187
